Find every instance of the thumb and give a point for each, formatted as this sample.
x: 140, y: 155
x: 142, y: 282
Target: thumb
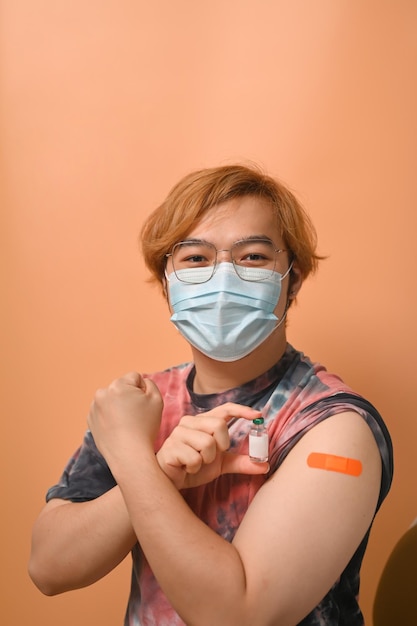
x: 150, y: 387
x: 241, y: 464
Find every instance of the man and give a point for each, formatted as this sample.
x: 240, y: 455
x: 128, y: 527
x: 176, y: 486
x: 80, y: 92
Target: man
x: 164, y: 470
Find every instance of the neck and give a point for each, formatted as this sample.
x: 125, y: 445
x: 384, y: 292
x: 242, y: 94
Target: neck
x: 217, y: 376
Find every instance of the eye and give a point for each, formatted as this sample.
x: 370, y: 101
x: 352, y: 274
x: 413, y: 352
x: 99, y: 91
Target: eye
x: 195, y: 258
x: 254, y: 253
x: 190, y: 254
x: 254, y: 256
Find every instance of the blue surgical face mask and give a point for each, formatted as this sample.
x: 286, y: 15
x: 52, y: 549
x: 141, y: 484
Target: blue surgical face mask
x: 226, y: 318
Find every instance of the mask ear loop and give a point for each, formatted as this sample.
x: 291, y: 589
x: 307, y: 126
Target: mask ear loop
x: 165, y: 282
x: 284, y: 315
x: 287, y: 305
x: 288, y: 270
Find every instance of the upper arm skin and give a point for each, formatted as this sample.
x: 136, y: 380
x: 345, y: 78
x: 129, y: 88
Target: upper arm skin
x: 305, y: 524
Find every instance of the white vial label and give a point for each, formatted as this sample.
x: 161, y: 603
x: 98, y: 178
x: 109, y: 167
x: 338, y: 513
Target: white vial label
x: 258, y: 447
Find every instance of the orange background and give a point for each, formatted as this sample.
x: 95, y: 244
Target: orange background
x: 104, y: 105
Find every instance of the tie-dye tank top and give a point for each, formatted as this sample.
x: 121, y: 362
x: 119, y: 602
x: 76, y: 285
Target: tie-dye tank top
x: 294, y: 395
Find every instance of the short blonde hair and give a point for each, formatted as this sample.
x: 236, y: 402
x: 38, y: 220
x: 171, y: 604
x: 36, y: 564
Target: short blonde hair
x: 198, y: 193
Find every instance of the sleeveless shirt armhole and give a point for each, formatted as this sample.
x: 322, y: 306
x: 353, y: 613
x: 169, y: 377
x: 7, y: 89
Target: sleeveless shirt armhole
x: 338, y: 403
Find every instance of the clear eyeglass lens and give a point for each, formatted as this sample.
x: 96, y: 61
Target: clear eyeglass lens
x: 196, y: 256
x: 201, y: 258
x: 253, y: 254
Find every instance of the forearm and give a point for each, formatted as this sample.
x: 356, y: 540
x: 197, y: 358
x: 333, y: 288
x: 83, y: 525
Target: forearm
x: 75, y: 544
x: 185, y: 555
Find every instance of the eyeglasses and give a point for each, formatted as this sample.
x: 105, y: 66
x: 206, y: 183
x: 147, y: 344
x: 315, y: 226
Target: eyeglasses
x: 201, y: 256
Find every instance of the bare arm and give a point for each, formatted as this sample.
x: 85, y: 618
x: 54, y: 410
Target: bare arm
x: 75, y: 544
x: 298, y: 535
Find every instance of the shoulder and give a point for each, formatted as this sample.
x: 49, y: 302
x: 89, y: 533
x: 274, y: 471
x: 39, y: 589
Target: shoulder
x: 344, y: 434
x: 340, y: 452
x: 171, y: 376
x: 308, y: 396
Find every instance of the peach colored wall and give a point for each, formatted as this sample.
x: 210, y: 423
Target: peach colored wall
x: 104, y: 105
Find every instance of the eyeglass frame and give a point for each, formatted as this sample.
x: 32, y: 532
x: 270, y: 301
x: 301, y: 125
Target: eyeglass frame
x: 239, y: 241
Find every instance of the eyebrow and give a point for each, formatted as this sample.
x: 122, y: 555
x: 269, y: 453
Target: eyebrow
x: 195, y: 240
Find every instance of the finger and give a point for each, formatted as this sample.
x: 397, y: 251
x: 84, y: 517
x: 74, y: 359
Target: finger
x: 203, y: 442
x: 146, y: 385
x: 151, y: 388
x: 231, y: 410
x: 213, y: 426
x: 183, y: 456
x: 135, y: 379
x: 241, y: 464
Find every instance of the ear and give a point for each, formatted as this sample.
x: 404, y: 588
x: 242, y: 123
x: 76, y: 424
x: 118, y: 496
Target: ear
x: 164, y: 287
x: 295, y: 282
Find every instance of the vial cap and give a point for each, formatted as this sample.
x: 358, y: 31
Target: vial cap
x: 258, y: 420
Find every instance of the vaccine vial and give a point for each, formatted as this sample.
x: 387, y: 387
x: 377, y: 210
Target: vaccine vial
x: 258, y: 441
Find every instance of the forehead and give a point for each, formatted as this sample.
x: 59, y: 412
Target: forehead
x: 237, y: 219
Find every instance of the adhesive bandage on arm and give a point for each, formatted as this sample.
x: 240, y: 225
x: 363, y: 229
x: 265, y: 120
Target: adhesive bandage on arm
x: 334, y: 463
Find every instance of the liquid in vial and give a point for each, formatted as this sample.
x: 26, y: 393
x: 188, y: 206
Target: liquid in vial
x: 258, y: 441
